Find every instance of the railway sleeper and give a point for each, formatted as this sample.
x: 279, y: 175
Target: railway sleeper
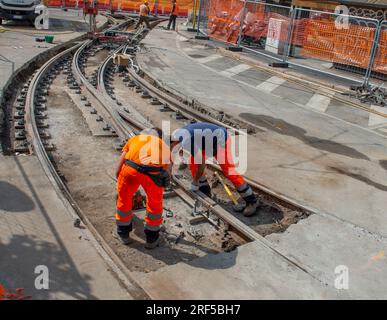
x: 21, y: 146
x: 20, y: 135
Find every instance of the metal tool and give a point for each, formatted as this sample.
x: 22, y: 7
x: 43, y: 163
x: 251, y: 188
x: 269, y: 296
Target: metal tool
x: 226, y: 188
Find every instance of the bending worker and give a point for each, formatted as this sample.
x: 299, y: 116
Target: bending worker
x: 145, y: 161
x: 144, y: 15
x: 204, y: 140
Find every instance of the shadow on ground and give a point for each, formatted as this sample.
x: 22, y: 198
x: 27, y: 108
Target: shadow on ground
x: 360, y: 178
x: 285, y: 128
x: 170, y: 255
x: 12, y: 199
x: 23, y: 254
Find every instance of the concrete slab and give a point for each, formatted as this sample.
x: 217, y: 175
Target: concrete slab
x: 325, y: 245
x: 250, y: 272
x: 376, y: 120
x: 36, y: 230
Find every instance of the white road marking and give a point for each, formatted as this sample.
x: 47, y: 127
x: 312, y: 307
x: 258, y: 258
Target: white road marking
x: 199, y: 46
x: 209, y: 58
x: 319, y: 102
x: 376, y: 120
x: 189, y: 49
x: 235, y: 70
x: 271, y: 84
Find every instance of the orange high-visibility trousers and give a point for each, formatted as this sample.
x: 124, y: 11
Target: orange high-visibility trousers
x: 226, y: 163
x: 128, y: 182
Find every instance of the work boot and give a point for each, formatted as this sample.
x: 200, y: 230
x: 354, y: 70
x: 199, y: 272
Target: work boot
x: 239, y: 207
x: 250, y: 198
x: 250, y: 209
x: 122, y: 233
x: 124, y: 239
x: 152, y: 245
x: 206, y: 190
x: 153, y: 239
x: 204, y: 186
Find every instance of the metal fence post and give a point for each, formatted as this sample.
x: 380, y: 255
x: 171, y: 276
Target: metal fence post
x: 241, y: 24
x: 195, y: 7
x: 290, y: 34
x: 373, y: 53
x: 200, y: 7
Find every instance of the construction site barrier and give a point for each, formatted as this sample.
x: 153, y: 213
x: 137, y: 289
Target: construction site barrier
x: 162, y: 7
x: 265, y: 26
x: 223, y: 18
x: 325, y: 39
x: 380, y: 64
x: 318, y: 40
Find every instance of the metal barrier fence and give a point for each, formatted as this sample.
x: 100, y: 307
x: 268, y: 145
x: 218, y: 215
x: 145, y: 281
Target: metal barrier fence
x: 341, y: 42
x: 379, y: 65
x: 315, y: 40
x: 162, y: 7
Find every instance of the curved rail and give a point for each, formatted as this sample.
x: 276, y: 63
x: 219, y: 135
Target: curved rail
x: 37, y: 147
x: 105, y: 105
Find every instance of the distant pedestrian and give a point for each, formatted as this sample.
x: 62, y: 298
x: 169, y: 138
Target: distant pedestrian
x: 173, y: 16
x: 144, y: 15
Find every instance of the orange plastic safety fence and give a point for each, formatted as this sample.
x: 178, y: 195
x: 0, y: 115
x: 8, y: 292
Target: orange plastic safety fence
x: 224, y: 18
x: 257, y: 19
x: 351, y: 46
x: 156, y: 6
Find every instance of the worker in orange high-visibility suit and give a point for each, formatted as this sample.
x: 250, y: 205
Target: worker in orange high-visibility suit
x: 205, y: 140
x: 173, y: 16
x: 145, y: 158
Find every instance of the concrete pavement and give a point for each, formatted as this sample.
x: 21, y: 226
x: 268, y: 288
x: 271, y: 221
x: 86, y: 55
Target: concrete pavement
x: 332, y: 161
x: 36, y: 229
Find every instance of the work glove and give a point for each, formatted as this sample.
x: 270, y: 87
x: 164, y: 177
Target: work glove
x: 194, y: 187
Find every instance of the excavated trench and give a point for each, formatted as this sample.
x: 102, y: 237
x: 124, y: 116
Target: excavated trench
x: 272, y: 216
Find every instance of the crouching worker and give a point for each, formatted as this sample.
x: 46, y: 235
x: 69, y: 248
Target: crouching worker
x: 204, y: 140
x: 145, y: 161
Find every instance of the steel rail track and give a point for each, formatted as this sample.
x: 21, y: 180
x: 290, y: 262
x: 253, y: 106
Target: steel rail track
x: 214, y: 208
x: 178, y: 106
x: 105, y: 105
x: 38, y: 148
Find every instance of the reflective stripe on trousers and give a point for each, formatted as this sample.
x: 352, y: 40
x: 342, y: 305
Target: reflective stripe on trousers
x: 153, y: 221
x: 245, y: 190
x: 129, y: 180
x: 124, y: 218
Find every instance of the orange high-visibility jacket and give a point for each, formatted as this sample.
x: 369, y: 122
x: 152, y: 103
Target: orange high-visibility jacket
x: 147, y: 150
x: 175, y: 10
